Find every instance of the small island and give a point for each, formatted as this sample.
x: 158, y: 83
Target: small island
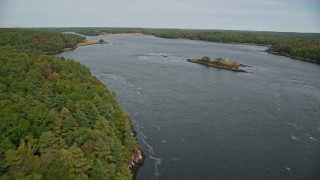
x: 219, y: 63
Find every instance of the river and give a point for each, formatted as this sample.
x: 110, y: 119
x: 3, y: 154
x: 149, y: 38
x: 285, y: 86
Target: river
x: 196, y: 122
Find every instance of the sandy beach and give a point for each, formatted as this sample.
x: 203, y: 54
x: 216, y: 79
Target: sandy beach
x: 121, y: 34
x: 88, y: 42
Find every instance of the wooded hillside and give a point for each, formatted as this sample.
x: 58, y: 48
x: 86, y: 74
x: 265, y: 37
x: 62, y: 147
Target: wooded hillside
x: 57, y: 121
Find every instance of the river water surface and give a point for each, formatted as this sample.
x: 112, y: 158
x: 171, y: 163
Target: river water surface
x: 195, y: 122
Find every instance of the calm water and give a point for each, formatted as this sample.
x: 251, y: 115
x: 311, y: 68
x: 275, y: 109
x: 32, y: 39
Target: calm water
x: 195, y: 122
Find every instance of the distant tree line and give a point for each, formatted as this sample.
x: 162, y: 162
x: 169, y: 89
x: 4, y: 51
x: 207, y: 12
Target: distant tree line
x: 57, y: 121
x: 301, y: 45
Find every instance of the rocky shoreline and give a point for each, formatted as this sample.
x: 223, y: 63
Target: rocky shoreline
x: 137, y: 158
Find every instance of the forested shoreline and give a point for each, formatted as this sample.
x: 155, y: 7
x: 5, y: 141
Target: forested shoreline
x: 39, y: 40
x: 303, y: 46
x: 58, y: 121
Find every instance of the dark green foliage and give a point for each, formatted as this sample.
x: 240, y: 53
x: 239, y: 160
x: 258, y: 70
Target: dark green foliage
x: 205, y: 58
x: 57, y: 120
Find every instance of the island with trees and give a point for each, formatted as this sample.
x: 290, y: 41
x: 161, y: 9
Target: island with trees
x: 58, y: 121
x: 219, y: 63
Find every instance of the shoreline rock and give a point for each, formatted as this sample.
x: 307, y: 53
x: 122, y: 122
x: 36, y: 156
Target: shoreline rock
x: 137, y: 160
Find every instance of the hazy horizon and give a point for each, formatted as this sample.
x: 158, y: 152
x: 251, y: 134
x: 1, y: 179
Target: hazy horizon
x: 249, y: 15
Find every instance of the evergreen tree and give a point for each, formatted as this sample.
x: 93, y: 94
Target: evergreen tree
x: 64, y: 113
x: 48, y: 141
x: 102, y: 151
x: 104, y: 126
x: 81, y: 118
x: 80, y: 164
x: 99, y: 172
x: 69, y: 124
x: 57, y: 126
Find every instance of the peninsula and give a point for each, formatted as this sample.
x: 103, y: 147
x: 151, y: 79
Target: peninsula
x: 219, y: 63
x: 85, y: 43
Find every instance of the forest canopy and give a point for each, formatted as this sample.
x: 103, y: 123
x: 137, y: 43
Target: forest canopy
x: 58, y: 121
